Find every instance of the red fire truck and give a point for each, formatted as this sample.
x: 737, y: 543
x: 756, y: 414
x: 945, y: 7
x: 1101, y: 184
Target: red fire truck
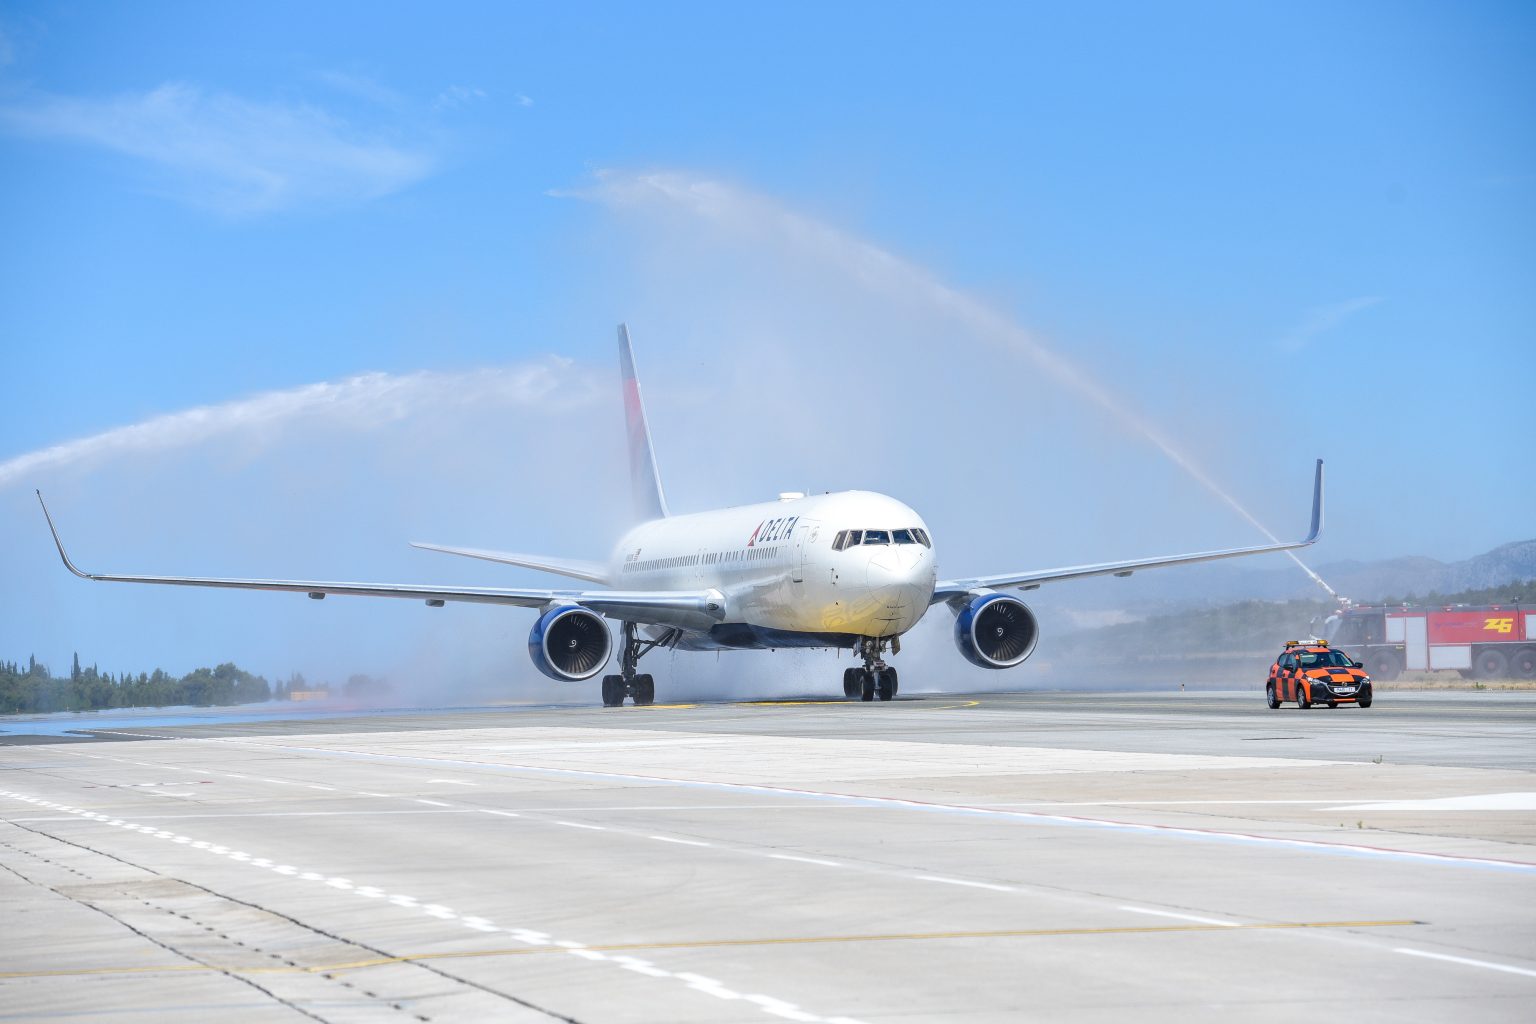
x: 1480, y: 641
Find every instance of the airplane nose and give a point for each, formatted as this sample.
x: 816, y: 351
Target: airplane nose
x: 901, y: 580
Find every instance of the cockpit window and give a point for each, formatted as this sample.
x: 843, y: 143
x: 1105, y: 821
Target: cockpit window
x: 922, y: 537
x: 902, y: 537
x: 853, y: 538
x: 877, y: 537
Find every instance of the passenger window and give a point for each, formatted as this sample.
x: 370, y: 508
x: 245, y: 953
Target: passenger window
x: 902, y: 537
x: 876, y: 537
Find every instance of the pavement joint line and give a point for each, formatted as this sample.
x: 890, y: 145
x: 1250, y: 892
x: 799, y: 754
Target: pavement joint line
x: 582, y: 951
x: 546, y: 947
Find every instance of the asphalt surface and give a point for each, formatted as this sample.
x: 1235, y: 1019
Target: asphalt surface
x: 1072, y: 857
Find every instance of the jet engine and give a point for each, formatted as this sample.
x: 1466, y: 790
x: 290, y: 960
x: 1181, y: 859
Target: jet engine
x: 996, y: 631
x: 570, y: 643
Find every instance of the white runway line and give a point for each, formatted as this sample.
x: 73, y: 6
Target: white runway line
x: 805, y: 860
x: 432, y: 803
x: 578, y: 824
x: 1467, y: 961
x: 696, y: 982
x: 962, y: 881
x: 680, y: 842
x: 504, y: 814
x: 1197, y: 919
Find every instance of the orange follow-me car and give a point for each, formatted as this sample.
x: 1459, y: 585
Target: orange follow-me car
x: 1313, y: 673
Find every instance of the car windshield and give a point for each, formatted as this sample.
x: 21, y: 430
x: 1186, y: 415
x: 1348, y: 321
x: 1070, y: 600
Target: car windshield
x: 1323, y: 659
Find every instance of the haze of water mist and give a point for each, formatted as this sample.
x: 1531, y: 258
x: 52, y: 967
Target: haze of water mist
x: 753, y: 217
x: 777, y: 354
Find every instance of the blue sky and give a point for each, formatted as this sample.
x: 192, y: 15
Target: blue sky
x: 1267, y: 231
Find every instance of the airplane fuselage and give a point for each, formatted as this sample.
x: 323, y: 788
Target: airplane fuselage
x: 816, y: 571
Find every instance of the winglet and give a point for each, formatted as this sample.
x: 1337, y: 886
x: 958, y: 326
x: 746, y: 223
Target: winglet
x: 650, y: 502
x: 1317, y: 504
x: 58, y: 543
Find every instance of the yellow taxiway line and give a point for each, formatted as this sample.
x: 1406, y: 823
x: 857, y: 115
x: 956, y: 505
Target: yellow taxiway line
x: 798, y: 940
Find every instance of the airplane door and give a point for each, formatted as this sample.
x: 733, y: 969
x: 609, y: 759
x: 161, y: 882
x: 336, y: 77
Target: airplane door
x: 806, y: 532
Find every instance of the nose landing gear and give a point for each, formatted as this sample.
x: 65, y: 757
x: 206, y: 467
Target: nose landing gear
x: 876, y: 679
x: 639, y: 686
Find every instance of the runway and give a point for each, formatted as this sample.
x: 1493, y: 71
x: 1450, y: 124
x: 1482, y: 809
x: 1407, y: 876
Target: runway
x: 982, y: 858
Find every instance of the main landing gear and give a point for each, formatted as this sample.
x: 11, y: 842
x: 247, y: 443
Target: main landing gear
x: 876, y: 678
x: 629, y: 683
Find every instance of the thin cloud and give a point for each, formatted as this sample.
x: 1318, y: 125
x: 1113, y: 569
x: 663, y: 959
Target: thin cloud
x: 361, y: 86
x: 1323, y: 319
x: 359, y: 403
x: 524, y: 100
x: 229, y: 154
x: 458, y: 96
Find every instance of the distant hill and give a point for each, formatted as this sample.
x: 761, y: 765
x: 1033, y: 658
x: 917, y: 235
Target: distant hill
x: 1362, y: 582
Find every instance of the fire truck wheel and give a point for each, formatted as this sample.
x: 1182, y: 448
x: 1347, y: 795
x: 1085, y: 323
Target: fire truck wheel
x: 1523, y: 663
x: 1490, y: 663
x: 1269, y: 696
x: 1384, y: 665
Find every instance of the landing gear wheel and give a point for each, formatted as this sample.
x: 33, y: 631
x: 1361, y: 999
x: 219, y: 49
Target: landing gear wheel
x: 851, y: 683
x: 892, y: 673
x: 613, y: 691
x: 866, y: 684
x: 1269, y: 696
x: 885, y: 684
x: 1301, y: 698
x: 645, y: 689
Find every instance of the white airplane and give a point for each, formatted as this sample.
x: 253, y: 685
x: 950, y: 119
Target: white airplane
x: 851, y: 570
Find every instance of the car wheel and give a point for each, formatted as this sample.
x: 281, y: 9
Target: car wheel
x: 1301, y: 697
x: 1522, y: 664
x: 1269, y: 696
x: 1490, y: 663
x: 1384, y: 665
x: 1364, y: 701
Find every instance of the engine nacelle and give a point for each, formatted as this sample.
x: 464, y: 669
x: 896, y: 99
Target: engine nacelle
x: 570, y: 643
x: 996, y: 631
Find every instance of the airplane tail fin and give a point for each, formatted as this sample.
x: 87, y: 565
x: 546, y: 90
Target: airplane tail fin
x: 650, y: 502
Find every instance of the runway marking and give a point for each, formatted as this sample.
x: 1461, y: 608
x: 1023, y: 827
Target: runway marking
x: 544, y: 947
x: 451, y: 782
x: 578, y: 824
x: 1467, y: 961
x: 962, y: 881
x: 1475, y: 802
x: 696, y: 982
x: 679, y: 842
x: 432, y: 803
x: 666, y: 707
x: 805, y: 860
x: 1182, y: 917
x: 504, y: 814
x: 840, y: 703
x: 1070, y: 820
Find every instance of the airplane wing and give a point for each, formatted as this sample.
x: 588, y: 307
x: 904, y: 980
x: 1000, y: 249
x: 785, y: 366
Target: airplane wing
x: 592, y: 572
x: 947, y: 590
x: 699, y: 608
